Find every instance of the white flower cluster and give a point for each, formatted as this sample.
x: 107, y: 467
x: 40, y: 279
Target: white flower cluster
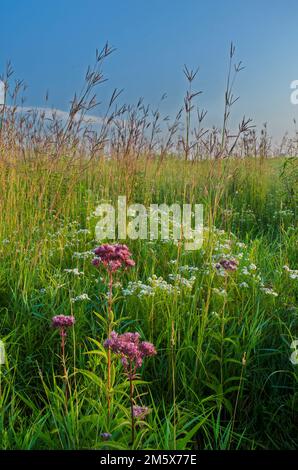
x: 74, y: 271
x: 223, y: 247
x: 139, y: 289
x: 241, y: 245
x: 182, y: 281
x: 250, y: 271
x: 80, y: 298
x: 294, y: 355
x: 247, y: 216
x: 269, y: 291
x: 159, y: 285
x: 188, y: 269
x: 283, y: 213
x: 83, y: 254
x: 228, y: 212
x: 220, y: 292
x: 83, y: 231
x: 293, y: 273
x: 243, y: 285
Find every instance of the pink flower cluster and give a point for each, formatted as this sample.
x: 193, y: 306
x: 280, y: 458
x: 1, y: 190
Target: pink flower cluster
x: 130, y: 348
x: 113, y: 257
x: 140, y: 411
x: 227, y: 264
x: 62, y: 322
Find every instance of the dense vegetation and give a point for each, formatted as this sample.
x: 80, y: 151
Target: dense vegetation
x: 222, y: 376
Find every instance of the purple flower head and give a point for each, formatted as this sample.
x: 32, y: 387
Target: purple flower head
x: 106, y: 436
x: 227, y: 264
x: 62, y: 322
x: 147, y: 348
x: 131, y: 350
x: 113, y: 257
x: 140, y: 411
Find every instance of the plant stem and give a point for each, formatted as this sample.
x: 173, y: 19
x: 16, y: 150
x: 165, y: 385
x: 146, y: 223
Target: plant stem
x: 65, y: 377
x: 131, y: 390
x: 237, y: 398
x: 110, y: 302
x: 173, y: 361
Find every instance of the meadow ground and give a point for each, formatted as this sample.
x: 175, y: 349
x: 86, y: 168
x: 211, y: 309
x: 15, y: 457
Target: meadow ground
x: 224, y: 376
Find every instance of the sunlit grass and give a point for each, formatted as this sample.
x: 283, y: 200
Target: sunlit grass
x: 222, y: 377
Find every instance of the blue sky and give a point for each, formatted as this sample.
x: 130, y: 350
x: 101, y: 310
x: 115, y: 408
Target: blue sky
x: 51, y: 42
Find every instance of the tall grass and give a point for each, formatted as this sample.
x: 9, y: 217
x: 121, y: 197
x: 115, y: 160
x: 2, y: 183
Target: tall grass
x: 222, y: 377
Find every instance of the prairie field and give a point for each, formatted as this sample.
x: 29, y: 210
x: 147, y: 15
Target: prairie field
x: 224, y: 371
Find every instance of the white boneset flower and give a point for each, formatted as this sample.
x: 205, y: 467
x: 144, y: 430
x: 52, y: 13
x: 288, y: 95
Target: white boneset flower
x: 269, y: 291
x: 245, y: 271
x: 243, y: 285
x: 293, y: 273
x: 83, y: 254
x: 240, y: 245
x: 252, y: 267
x: 80, y: 298
x: 74, y: 271
x: 221, y: 292
x: 294, y: 276
x: 294, y: 355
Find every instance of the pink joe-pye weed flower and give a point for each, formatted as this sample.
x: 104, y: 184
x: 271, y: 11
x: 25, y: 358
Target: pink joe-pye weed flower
x: 227, y: 264
x: 132, y: 351
x: 130, y: 348
x: 140, y: 412
x: 62, y: 322
x: 113, y: 257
